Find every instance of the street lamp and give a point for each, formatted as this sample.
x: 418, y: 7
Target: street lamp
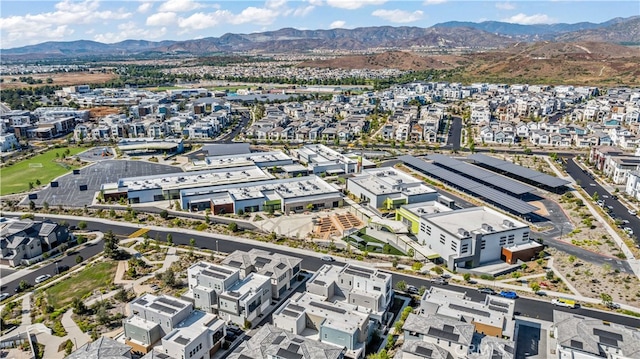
x: 57, y: 270
x: 217, y: 251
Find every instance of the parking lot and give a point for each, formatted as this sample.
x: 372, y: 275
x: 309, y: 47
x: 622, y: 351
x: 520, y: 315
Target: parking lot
x: 68, y: 192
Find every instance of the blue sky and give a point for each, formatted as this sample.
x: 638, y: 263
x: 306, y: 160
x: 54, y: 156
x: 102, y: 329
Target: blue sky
x: 30, y: 22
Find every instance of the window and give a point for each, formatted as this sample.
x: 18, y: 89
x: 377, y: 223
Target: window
x: 525, y: 236
x: 376, y: 288
x: 483, y: 244
x: 464, y: 248
x: 429, y: 230
x: 454, y: 246
x: 442, y: 239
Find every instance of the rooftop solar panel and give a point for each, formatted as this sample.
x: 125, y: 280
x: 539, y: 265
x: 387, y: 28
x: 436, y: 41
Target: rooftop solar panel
x: 492, y: 195
x: 463, y: 308
x: 443, y: 335
x: 519, y: 171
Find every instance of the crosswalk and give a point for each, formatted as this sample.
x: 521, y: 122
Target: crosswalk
x: 139, y: 233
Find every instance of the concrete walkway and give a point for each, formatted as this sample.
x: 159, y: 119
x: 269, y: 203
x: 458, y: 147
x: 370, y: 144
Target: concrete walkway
x: 26, y: 310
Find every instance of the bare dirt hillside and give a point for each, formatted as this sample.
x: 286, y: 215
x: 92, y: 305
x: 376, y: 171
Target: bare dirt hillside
x: 401, y: 60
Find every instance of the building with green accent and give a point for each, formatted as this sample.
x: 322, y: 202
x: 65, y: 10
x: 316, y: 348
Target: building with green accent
x: 410, y: 214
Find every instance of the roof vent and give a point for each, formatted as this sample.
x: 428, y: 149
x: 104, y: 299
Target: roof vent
x: 487, y: 228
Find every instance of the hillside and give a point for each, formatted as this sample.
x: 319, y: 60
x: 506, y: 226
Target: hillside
x: 400, y: 60
x: 620, y: 32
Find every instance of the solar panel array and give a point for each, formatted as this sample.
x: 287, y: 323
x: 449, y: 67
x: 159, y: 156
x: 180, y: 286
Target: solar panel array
x: 481, y: 174
x: 522, y: 172
x: 491, y: 195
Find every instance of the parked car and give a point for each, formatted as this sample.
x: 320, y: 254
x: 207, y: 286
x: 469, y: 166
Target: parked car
x: 541, y: 293
x: 628, y: 230
x: 487, y: 291
x: 509, y: 294
x: 564, y: 302
x: 234, y: 330
x: 632, y: 212
x: 412, y: 290
x: 440, y: 281
x: 4, y: 296
x: 446, y: 276
x: 42, y: 278
x: 612, y: 305
x: 327, y: 258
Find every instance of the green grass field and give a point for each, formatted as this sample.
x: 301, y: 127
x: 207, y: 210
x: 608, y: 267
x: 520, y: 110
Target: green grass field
x: 87, y: 281
x: 16, y: 178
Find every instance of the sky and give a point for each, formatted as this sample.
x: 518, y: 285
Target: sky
x: 25, y: 22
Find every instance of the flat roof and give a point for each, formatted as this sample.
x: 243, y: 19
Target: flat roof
x: 164, y: 304
x: 193, y: 326
x: 494, y: 196
x: 472, y: 220
x: 244, y: 287
x: 211, y: 270
x: 260, y: 159
x: 388, y: 180
x: 480, y: 174
x: 318, y: 153
x: 507, y: 167
x: 429, y: 207
x: 339, y: 315
x: 193, y: 179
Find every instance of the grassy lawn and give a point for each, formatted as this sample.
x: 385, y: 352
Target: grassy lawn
x: 16, y: 178
x: 362, y: 234
x: 92, y: 278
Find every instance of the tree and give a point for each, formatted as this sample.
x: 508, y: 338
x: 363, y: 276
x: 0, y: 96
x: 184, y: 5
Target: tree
x: 82, y: 225
x: 411, y: 252
x: 232, y: 226
x: 192, y: 242
x: 38, y: 182
x: 78, y: 306
x: 438, y: 270
x: 79, y: 259
x: 45, y: 205
x: 164, y: 214
x: 379, y: 355
x: 401, y: 285
x: 169, y: 278
x: 595, y: 196
x: 111, y: 245
x: 68, y: 345
x: 550, y: 275
x: 32, y: 205
x: 170, y: 239
x: 606, y: 298
x: 534, y: 286
x: 571, y: 258
x: 467, y: 277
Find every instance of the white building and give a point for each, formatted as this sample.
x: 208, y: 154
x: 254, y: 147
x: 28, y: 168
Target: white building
x: 322, y: 159
x: 206, y: 281
x: 632, y: 187
x: 246, y: 300
x: 389, y: 188
x: 475, y: 236
x: 199, y: 335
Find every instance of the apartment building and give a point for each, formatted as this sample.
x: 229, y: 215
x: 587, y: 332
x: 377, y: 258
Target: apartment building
x: 493, y: 317
x: 282, y: 269
x: 367, y: 288
x: 337, y: 322
x: 443, y: 333
x: 583, y: 337
x: 322, y: 159
x: 473, y: 236
x: 206, y: 281
x: 199, y: 335
x: 245, y: 301
x: 152, y: 317
x: 26, y: 241
x: 389, y: 188
x: 272, y: 342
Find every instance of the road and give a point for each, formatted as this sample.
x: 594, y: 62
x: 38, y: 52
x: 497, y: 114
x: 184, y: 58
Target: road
x: 542, y: 310
x: 591, y: 186
x: 455, y: 133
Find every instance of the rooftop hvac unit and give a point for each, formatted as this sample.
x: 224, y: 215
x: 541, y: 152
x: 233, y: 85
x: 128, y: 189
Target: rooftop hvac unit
x: 507, y: 223
x: 463, y: 232
x: 487, y: 227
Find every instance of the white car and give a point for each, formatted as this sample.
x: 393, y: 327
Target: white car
x: 632, y: 212
x: 327, y: 258
x: 4, y: 296
x: 629, y: 231
x: 42, y: 278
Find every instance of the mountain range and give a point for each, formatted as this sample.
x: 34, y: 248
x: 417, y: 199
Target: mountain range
x: 447, y: 35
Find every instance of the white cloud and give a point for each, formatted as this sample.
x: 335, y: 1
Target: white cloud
x: 54, y: 25
x: 303, y: 11
x: 338, y: 24
x: 316, y: 2
x: 179, y: 6
x: 255, y: 15
x: 199, y: 20
x: 524, y: 19
x: 505, y: 6
x: 275, y: 4
x: 130, y: 31
x: 144, y: 7
x: 161, y: 19
x: 353, y: 4
x: 398, y: 16
x: 433, y: 2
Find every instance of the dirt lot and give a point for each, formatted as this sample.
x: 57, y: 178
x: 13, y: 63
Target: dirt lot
x: 59, y: 79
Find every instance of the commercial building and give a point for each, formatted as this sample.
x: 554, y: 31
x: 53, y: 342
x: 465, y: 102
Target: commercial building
x: 475, y: 236
x: 246, y: 300
x: 26, y: 241
x: 583, y: 337
x: 271, y: 342
x: 259, y: 159
x: 337, y: 322
x: 322, y: 159
x: 368, y: 288
x: 410, y: 214
x: 493, y: 317
x: 150, y: 145
x: 282, y: 269
x: 287, y: 195
x: 389, y: 188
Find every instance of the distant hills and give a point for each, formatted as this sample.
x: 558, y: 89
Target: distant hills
x: 448, y: 35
